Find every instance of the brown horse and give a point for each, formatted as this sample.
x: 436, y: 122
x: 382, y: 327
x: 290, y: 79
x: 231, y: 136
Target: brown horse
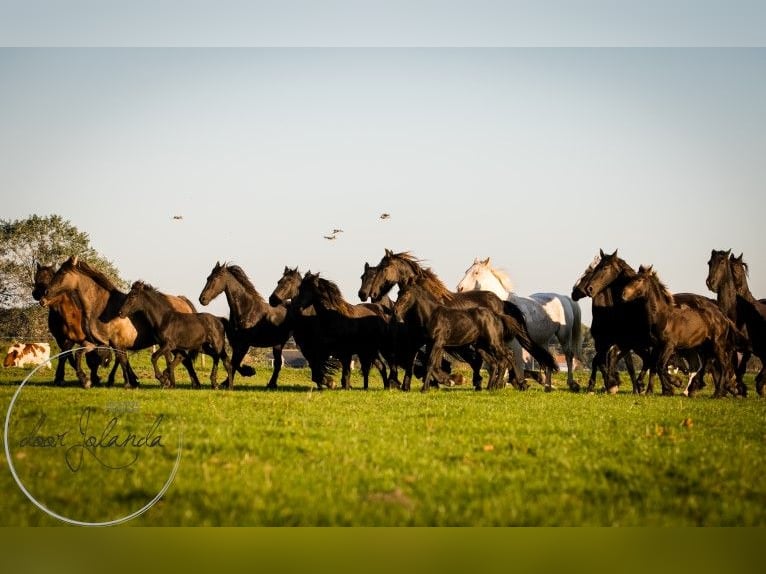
x: 402, y: 268
x: 100, y: 300
x: 697, y: 324
x: 447, y: 327
x: 65, y: 323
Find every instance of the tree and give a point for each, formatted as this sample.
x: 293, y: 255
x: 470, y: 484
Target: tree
x: 46, y: 240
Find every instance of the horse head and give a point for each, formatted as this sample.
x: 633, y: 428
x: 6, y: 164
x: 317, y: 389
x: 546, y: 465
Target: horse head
x: 606, y: 271
x: 287, y: 286
x: 367, y: 276
x: 214, y: 284
x: 718, y: 269
x: 43, y: 276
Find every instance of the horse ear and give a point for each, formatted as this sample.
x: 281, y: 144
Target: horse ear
x: 601, y: 253
x: 74, y: 259
x: 740, y: 257
x: 366, y: 266
x: 217, y: 266
x: 286, y: 270
x: 486, y: 261
x: 389, y: 253
x: 38, y: 266
x: 475, y: 260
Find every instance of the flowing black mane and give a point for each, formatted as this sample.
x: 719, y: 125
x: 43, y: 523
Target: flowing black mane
x: 331, y: 297
x: 243, y: 279
x: 424, y: 275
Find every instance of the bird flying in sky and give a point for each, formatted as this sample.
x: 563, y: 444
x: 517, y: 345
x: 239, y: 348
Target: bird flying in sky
x: 385, y: 215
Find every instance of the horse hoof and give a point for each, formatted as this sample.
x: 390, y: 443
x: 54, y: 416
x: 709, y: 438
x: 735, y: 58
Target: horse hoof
x: 548, y: 389
x: 574, y: 387
x: 246, y: 371
x: 613, y: 390
x: 271, y: 386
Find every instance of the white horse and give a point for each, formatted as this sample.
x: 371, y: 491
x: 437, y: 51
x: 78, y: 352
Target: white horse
x: 547, y: 314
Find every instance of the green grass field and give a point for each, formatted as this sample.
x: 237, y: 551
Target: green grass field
x: 297, y: 456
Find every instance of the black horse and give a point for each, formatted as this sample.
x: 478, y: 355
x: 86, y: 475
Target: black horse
x: 347, y: 329
x: 721, y: 281
x: 616, y: 325
x: 696, y: 324
x: 307, y: 329
x: 181, y: 335
x: 753, y: 315
x: 252, y: 321
x: 449, y: 328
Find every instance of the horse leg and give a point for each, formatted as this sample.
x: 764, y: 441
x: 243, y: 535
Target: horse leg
x: 238, y: 352
x: 131, y: 380
x: 597, y: 364
x: 81, y: 376
x: 434, y: 352
x: 571, y: 383
x: 740, y: 368
x: 161, y: 377
x: 64, y: 346
x: 93, y: 360
x: 172, y: 368
x: 227, y: 367
x: 663, y: 355
x: 276, y: 352
x: 345, y: 377
x: 188, y: 363
x: 612, y: 377
x: 214, y: 372
x: 636, y: 381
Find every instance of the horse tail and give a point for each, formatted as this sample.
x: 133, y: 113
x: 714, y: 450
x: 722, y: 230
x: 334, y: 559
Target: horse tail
x: 577, y: 333
x: 518, y: 329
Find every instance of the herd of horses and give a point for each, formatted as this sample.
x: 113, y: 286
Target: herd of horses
x: 483, y: 323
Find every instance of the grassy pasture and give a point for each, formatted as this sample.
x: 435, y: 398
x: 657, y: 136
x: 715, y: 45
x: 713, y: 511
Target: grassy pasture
x: 297, y: 456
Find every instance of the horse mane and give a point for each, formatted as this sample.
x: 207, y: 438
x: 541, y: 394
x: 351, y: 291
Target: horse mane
x: 660, y: 288
x: 425, y: 276
x: 242, y: 278
x: 331, y: 297
x: 97, y: 276
x: 503, y: 277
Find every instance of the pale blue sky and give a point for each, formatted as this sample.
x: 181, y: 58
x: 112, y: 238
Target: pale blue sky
x: 534, y: 157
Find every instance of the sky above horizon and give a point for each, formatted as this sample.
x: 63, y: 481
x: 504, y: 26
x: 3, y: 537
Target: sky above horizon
x: 534, y: 157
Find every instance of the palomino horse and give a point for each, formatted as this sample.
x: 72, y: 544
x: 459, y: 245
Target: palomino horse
x: 447, y: 327
x: 696, y: 324
x: 252, y: 321
x: 547, y: 315
x: 99, y: 300
x: 348, y: 329
x: 180, y: 335
x: 401, y: 268
x: 65, y: 324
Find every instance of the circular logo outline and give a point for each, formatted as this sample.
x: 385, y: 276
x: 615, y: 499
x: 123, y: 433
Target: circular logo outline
x: 44, y: 508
